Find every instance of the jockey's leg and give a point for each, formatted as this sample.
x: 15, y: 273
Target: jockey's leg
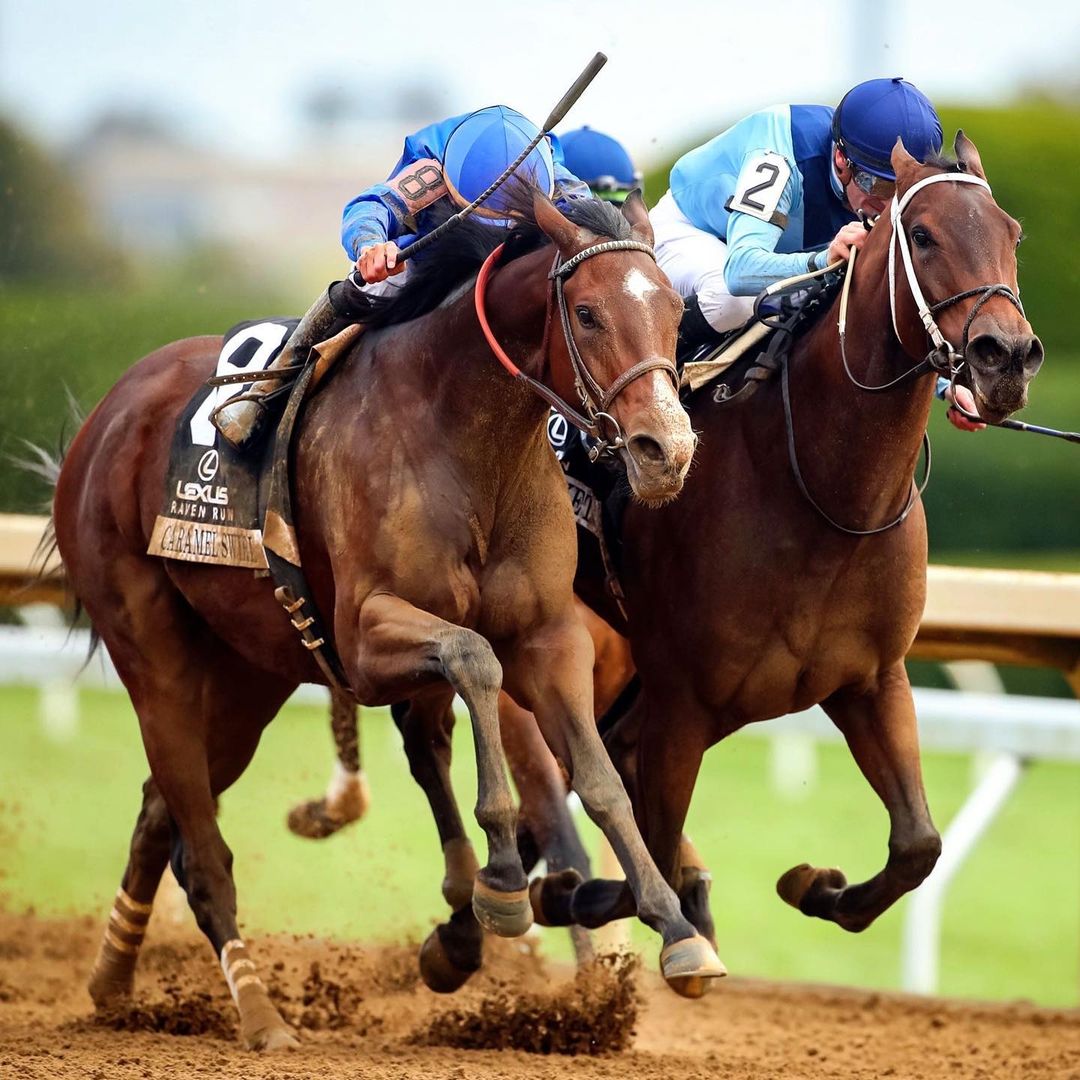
x: 694, y: 261
x: 241, y: 421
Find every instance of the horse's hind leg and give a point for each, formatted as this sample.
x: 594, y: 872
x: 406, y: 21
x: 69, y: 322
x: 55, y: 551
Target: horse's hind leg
x: 401, y: 650
x: 113, y: 976
x: 881, y: 731
x: 347, y: 795
x: 202, y: 709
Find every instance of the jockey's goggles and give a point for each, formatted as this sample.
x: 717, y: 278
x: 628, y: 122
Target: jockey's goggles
x: 610, y: 189
x: 877, y: 187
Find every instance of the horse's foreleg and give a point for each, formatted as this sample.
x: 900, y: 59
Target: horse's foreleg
x: 113, y: 976
x: 545, y: 825
x: 880, y: 730
x: 453, y: 950
x: 552, y: 675
x: 402, y: 649
x: 347, y: 795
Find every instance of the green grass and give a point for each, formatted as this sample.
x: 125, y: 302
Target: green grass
x: 1011, y: 927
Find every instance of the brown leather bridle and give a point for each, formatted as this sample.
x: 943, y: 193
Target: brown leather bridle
x: 595, y: 420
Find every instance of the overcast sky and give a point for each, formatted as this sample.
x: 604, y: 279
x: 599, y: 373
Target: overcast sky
x: 234, y: 71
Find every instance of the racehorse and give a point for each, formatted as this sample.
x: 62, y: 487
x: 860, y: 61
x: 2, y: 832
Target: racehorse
x: 433, y: 524
x: 792, y: 569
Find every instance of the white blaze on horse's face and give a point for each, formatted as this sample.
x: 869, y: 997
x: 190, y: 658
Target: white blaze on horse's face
x: 637, y: 285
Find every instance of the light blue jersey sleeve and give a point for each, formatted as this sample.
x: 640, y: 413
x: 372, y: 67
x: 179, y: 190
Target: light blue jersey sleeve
x: 752, y: 262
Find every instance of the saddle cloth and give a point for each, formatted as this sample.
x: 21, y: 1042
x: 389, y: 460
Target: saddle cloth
x: 211, y: 509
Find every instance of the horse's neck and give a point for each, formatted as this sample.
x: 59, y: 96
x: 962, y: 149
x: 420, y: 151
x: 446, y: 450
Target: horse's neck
x: 866, y: 444
x: 494, y: 418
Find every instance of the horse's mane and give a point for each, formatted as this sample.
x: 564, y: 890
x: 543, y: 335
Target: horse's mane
x: 459, y: 255
x: 945, y: 164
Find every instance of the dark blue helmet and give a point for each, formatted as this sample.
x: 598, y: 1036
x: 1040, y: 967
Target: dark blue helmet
x: 483, y: 146
x: 872, y: 115
x: 601, y: 161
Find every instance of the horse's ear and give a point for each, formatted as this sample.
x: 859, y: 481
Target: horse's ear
x: 967, y: 157
x: 565, y: 235
x: 903, y: 164
x: 635, y: 212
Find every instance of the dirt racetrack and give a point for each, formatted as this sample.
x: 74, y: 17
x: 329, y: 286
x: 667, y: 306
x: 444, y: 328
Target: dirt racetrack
x: 363, y: 1015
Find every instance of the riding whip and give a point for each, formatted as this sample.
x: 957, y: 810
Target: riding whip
x: 556, y: 114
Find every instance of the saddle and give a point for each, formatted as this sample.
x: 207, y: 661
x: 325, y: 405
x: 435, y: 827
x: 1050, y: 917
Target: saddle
x: 228, y: 508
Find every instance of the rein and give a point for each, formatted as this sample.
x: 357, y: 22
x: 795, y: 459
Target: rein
x: 595, y: 419
x: 942, y: 358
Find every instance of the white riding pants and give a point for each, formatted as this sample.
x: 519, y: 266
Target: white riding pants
x: 694, y: 261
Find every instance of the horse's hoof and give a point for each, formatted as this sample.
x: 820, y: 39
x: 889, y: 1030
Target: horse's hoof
x: 690, y: 986
x: 689, y: 959
x: 109, y: 988
x: 270, y: 1037
x: 436, y: 968
x: 311, y: 820
x: 550, y: 897
x: 508, y: 914
x: 810, y: 890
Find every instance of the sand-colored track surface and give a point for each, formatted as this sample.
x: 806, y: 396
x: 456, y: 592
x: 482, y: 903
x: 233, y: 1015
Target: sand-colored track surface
x: 362, y: 1014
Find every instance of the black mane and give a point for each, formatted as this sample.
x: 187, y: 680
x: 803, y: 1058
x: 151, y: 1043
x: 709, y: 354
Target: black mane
x: 455, y: 258
x: 945, y: 164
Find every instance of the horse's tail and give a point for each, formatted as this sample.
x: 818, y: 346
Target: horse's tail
x: 45, y: 465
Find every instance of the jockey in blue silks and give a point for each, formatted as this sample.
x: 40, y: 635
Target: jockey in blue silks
x: 450, y: 162
x: 601, y: 162
x: 778, y: 194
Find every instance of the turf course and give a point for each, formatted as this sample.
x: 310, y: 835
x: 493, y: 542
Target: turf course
x: 1011, y: 928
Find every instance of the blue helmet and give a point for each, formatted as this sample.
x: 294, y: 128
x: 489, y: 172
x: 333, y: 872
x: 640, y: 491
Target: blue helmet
x: 873, y: 114
x: 601, y: 161
x: 483, y: 146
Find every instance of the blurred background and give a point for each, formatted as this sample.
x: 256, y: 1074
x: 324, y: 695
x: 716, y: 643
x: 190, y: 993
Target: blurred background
x: 170, y: 171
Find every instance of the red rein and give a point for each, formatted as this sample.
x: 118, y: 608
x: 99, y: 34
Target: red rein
x: 481, y: 314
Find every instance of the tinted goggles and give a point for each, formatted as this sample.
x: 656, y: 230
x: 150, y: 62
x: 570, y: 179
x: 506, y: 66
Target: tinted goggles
x: 877, y: 187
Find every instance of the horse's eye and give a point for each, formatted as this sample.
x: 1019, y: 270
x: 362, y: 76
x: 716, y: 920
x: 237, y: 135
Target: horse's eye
x: 585, y: 317
x: 920, y: 237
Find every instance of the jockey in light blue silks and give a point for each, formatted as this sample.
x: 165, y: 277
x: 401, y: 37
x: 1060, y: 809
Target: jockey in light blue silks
x: 601, y: 162
x: 778, y: 194
x: 444, y: 166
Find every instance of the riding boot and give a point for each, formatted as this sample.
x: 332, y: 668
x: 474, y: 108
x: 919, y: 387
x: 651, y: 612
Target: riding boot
x: 695, y: 331
x: 241, y: 422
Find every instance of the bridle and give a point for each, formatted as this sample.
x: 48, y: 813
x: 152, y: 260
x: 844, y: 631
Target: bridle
x: 594, y: 420
x: 942, y: 358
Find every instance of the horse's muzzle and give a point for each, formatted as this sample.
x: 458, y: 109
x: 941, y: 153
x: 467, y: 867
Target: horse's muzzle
x: 1001, y: 367
x: 656, y: 463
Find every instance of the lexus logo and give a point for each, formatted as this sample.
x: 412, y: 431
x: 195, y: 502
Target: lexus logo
x: 208, y: 465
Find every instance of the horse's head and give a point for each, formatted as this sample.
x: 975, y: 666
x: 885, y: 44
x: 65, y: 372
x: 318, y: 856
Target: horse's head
x: 962, y: 245
x: 622, y: 317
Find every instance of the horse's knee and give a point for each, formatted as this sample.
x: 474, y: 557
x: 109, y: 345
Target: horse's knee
x: 913, y: 860
x: 470, y: 663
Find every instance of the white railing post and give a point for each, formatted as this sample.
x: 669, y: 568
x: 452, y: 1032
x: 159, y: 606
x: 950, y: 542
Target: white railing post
x: 921, y: 947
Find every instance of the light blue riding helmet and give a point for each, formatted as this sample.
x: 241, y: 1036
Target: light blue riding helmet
x: 601, y: 161
x: 483, y: 146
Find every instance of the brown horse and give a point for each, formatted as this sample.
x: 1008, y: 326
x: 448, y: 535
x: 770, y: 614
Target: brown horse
x: 434, y: 526
x: 792, y: 570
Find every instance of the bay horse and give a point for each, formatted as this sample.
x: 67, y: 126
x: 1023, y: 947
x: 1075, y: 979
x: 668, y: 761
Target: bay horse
x: 792, y: 569
x: 436, y: 533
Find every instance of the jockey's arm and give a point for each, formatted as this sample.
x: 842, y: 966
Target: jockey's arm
x: 373, y: 217
x: 753, y: 263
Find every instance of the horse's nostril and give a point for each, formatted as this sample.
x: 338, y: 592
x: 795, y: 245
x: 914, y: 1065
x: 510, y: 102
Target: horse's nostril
x: 646, y: 450
x: 1035, y: 355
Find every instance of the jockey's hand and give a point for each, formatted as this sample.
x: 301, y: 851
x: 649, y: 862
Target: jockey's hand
x: 966, y: 400
x: 378, y: 262
x: 852, y: 235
